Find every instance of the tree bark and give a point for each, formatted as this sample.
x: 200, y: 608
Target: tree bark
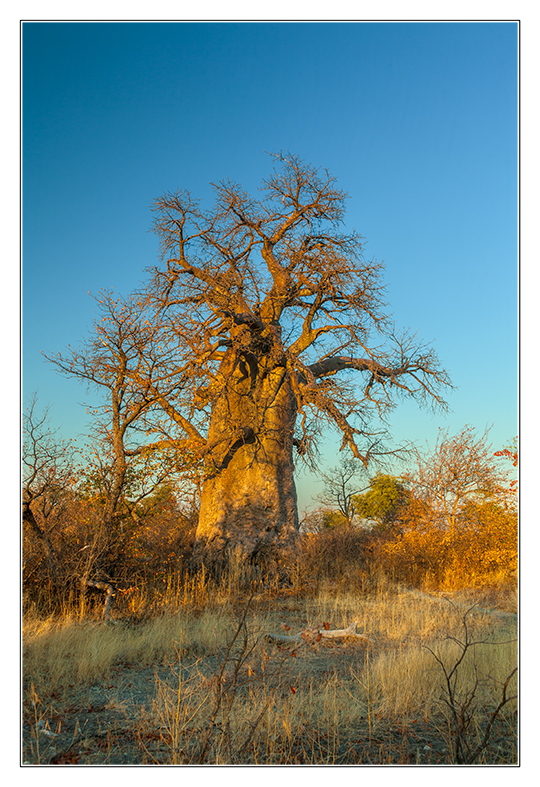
x: 248, y: 501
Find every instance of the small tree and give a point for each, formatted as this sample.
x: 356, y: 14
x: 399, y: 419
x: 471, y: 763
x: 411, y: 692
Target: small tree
x: 459, y: 525
x: 122, y: 360
x: 384, y: 501
x: 459, y: 470
x: 48, y: 476
x: 341, y: 485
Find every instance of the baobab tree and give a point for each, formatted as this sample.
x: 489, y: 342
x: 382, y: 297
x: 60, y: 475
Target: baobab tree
x: 264, y: 325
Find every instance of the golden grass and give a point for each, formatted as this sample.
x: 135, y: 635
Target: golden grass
x: 395, y: 615
x: 262, y: 705
x: 398, y: 678
x: 60, y: 652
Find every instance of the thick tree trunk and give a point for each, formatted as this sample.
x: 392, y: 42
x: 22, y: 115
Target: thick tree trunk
x: 248, y: 502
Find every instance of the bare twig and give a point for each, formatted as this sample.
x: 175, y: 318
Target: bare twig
x: 462, y: 703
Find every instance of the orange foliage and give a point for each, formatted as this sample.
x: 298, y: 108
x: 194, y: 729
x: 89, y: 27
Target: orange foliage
x: 462, y: 531
x: 481, y: 549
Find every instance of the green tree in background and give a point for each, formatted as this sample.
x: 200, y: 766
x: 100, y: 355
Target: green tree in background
x: 384, y: 500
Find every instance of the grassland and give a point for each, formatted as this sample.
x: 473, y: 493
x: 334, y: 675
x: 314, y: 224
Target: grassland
x: 190, y: 678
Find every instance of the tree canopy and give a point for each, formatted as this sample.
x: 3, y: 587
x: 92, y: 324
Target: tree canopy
x: 383, y: 501
x: 263, y: 325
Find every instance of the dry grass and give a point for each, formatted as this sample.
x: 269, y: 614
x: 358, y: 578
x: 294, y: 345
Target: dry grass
x: 57, y: 653
x: 216, y: 701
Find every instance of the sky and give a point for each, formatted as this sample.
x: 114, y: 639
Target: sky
x: 417, y: 121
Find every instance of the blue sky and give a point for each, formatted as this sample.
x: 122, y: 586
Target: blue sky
x: 418, y: 121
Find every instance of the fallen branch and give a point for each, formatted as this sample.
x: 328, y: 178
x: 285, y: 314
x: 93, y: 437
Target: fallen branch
x: 314, y: 635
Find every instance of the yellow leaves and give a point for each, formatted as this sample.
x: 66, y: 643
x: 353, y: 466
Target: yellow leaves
x: 483, y: 543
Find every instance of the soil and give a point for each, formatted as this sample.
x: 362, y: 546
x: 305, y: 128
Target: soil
x: 112, y: 722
